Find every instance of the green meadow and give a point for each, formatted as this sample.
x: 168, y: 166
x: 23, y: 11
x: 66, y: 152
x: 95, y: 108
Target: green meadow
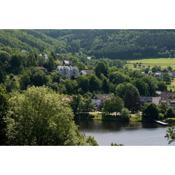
x: 163, y: 62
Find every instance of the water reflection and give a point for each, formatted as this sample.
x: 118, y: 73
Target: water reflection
x: 131, y: 133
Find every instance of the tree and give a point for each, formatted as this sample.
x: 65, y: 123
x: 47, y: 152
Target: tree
x: 91, y: 141
x: 39, y: 116
x: 142, y: 87
x: 38, y: 77
x: 170, y: 113
x: 11, y: 83
x: 130, y: 95
x: 150, y: 113
x: 152, y: 84
x: 101, y: 68
x: 115, y: 104
x: 125, y: 113
x: 83, y: 83
x: 105, y: 85
x: 25, y: 79
x: 167, y: 78
x: 161, y: 86
x: 82, y: 104
x: 3, y: 111
x: 16, y: 64
x: 170, y: 135
x: 4, y: 64
x: 118, y: 77
x: 50, y: 64
x: 71, y: 86
x: 94, y: 83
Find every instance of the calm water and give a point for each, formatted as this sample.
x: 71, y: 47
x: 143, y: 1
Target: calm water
x: 136, y: 134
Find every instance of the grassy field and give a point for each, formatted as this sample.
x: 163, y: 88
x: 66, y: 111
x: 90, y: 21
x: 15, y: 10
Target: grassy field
x: 163, y: 62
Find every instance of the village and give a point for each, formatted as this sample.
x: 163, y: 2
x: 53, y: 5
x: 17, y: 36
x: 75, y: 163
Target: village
x: 165, y: 97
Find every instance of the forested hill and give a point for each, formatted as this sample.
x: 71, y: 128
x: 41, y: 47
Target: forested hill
x: 116, y: 44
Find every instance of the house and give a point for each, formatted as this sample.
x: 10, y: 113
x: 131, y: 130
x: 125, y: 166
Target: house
x: 86, y: 72
x: 172, y: 74
x: 154, y: 100
x: 89, y: 58
x: 68, y: 71
x: 157, y: 74
x: 168, y: 98
x: 99, y: 99
x: 158, y: 93
x: 66, y: 63
x: 46, y: 57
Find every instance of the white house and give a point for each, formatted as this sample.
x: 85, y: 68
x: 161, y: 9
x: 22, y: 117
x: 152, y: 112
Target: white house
x: 68, y: 71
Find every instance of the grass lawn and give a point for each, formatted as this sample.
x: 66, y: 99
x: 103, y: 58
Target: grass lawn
x: 135, y: 118
x: 96, y: 115
x: 163, y: 62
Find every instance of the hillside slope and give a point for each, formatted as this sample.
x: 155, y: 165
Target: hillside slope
x: 123, y: 44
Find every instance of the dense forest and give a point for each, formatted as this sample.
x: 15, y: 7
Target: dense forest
x: 115, y: 44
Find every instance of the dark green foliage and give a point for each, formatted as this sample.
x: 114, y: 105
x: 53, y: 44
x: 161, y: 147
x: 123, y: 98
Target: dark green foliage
x: 38, y: 77
x: 16, y: 64
x: 71, y: 86
x: 161, y: 86
x: 167, y: 78
x: 115, y: 104
x: 130, y: 95
x: 118, y: 77
x: 3, y: 111
x: 125, y: 114
x: 82, y: 104
x: 142, y: 87
x: 91, y: 141
x: 83, y: 83
x: 101, y: 68
x: 170, y: 113
x: 170, y: 135
x: 152, y: 85
x: 105, y: 85
x: 94, y: 83
x: 150, y: 113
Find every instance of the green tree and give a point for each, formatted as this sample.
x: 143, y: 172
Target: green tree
x: 82, y: 104
x: 105, y: 85
x: 142, y: 87
x: 50, y: 64
x: 130, y: 95
x: 94, y: 83
x: 161, y: 86
x: 71, y: 86
x: 115, y: 104
x: 38, y: 77
x: 25, y: 79
x: 167, y: 78
x: 125, y: 113
x: 39, y: 116
x: 150, y: 112
x: 118, y: 77
x: 152, y: 84
x: 16, y: 64
x: 101, y: 68
x: 83, y: 83
x: 170, y: 113
x: 3, y: 111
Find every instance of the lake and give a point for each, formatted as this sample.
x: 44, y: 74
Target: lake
x: 128, y: 134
